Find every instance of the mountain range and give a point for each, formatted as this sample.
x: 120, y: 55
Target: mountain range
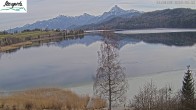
x: 68, y: 22
x: 117, y: 18
x: 167, y: 18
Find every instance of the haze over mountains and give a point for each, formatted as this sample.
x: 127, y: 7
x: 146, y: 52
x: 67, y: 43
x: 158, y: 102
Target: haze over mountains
x: 68, y: 22
x: 117, y: 18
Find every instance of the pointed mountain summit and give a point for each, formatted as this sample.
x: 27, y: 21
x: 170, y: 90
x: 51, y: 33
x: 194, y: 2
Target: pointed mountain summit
x: 116, y: 9
x: 86, y: 14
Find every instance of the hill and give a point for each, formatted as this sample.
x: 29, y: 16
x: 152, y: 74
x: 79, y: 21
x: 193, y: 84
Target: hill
x: 168, y: 18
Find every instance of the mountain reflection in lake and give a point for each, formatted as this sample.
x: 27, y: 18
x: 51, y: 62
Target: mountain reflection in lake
x: 73, y: 61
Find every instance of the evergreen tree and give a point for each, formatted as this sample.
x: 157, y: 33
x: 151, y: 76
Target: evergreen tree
x: 188, y: 91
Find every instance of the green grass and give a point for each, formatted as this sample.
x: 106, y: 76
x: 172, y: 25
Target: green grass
x: 22, y: 39
x: 27, y: 34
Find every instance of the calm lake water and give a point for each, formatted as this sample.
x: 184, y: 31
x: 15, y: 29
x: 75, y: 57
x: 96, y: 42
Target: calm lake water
x: 72, y: 62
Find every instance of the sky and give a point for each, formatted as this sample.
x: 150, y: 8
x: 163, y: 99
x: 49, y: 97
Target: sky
x: 46, y: 9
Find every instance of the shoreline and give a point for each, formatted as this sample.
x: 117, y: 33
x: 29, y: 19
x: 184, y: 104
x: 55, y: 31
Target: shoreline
x: 155, y: 30
x: 171, y: 79
x: 30, y: 42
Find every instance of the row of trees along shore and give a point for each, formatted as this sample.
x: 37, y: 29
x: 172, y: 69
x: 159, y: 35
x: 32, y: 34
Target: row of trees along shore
x: 111, y: 84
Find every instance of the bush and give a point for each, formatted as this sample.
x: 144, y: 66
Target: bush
x: 151, y: 98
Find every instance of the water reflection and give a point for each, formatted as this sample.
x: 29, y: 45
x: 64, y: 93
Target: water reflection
x: 70, y: 61
x: 169, y: 39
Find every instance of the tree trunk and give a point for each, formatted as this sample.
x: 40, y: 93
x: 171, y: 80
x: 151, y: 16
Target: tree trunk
x: 110, y: 98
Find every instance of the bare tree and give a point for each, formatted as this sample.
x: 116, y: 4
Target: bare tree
x: 146, y: 98
x: 151, y: 98
x: 110, y: 82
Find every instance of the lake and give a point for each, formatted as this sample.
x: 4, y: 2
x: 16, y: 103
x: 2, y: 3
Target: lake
x: 72, y: 63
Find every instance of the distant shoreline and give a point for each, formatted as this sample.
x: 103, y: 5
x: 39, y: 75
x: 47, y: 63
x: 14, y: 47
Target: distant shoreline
x: 144, y: 30
x: 155, y: 30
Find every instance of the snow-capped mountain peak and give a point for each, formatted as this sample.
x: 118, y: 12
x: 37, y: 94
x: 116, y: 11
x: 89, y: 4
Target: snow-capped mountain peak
x: 116, y: 9
x: 86, y: 14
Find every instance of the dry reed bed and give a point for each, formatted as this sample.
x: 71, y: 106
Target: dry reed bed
x: 49, y: 99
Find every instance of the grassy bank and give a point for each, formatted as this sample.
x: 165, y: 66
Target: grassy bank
x: 9, y: 42
x: 32, y: 34
x: 48, y: 99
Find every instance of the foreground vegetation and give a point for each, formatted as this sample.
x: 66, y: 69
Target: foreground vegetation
x: 148, y: 98
x: 48, y: 99
x: 11, y: 41
x: 152, y: 98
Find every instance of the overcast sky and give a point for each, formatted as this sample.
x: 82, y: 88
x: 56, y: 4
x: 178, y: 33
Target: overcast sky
x: 46, y: 9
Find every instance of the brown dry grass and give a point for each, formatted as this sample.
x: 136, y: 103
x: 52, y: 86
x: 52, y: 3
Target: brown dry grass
x: 47, y: 99
x: 97, y: 103
x: 14, y: 46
